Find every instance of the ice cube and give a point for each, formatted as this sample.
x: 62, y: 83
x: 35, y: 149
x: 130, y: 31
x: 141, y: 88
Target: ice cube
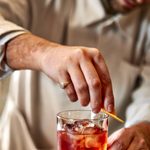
x: 81, y: 125
x: 92, y: 141
x: 90, y: 130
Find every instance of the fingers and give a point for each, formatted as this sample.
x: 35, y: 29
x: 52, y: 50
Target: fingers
x: 127, y: 141
x: 85, y: 84
x: 79, y: 83
x: 135, y: 137
x: 120, y: 140
x: 89, y: 79
x: 69, y: 88
x: 94, y: 84
x: 71, y: 92
x: 138, y: 143
x: 104, y: 76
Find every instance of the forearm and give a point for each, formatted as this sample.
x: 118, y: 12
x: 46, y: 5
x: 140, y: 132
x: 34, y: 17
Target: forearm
x: 25, y: 51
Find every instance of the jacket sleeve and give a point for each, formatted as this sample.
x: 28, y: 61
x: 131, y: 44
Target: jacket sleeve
x: 13, y: 21
x: 139, y: 109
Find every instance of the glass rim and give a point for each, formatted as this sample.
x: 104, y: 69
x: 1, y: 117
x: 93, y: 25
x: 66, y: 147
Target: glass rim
x: 78, y: 110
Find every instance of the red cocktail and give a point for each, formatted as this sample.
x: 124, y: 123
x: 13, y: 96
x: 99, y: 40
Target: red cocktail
x: 77, y: 130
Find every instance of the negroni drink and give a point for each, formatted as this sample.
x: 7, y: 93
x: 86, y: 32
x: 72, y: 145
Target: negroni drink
x: 79, y: 130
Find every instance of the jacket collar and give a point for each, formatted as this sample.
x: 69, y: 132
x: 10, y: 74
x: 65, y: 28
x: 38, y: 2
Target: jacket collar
x: 129, y: 23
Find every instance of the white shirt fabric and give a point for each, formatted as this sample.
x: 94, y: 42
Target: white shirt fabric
x: 29, y: 118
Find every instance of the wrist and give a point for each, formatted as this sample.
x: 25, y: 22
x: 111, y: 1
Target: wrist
x: 24, y: 51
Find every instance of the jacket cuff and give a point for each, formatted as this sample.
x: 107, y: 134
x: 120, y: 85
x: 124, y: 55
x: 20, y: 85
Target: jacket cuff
x: 4, y: 68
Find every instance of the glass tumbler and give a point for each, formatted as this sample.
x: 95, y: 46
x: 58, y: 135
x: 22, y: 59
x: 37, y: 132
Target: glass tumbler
x: 82, y: 130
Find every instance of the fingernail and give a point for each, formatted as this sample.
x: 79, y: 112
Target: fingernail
x: 94, y: 110
x: 110, y: 108
x: 96, y: 107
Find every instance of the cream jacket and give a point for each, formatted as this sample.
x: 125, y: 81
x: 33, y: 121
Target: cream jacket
x: 28, y: 121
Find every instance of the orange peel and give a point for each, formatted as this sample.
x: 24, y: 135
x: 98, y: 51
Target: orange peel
x: 112, y: 115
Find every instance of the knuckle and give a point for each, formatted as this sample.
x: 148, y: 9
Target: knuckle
x: 120, y: 145
x: 95, y: 83
x: 71, y: 93
x: 81, y: 53
x: 95, y: 50
x: 82, y: 88
x: 95, y: 104
x: 97, y: 53
x: 83, y: 96
x: 105, y: 80
x: 142, y: 142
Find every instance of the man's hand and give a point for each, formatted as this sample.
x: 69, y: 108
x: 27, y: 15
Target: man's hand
x: 82, y: 67
x: 85, y: 71
x: 136, y: 137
